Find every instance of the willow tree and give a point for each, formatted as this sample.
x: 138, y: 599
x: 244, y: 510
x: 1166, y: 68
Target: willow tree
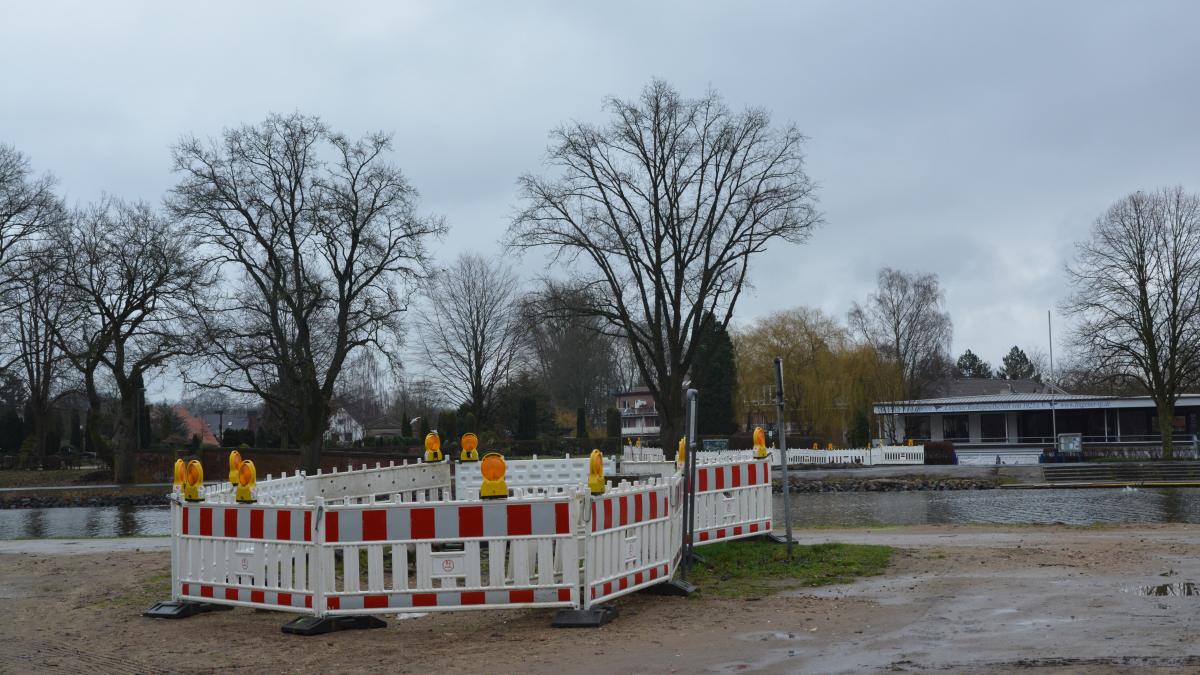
x: 318, y: 235
x: 1137, y: 296
x: 659, y: 213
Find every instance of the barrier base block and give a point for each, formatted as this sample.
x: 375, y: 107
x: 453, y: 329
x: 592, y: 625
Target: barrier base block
x: 319, y: 625
x: 584, y: 618
x: 677, y: 588
x: 182, y: 609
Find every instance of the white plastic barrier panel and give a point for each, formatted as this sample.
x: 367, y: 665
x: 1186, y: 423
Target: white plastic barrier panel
x: 733, y: 500
x: 250, y: 555
x: 633, y: 453
x: 633, y: 538
x: 413, y: 482
x: 447, y: 556
x: 523, y: 473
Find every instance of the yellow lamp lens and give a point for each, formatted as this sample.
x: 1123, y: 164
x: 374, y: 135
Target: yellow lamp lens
x: 492, y: 466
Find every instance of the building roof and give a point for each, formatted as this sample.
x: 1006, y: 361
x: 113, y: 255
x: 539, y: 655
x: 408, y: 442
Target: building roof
x: 1014, y: 402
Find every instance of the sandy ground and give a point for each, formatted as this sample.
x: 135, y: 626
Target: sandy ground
x: 957, y: 599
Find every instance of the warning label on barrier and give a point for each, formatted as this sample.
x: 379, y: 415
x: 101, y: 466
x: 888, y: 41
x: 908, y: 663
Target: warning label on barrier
x: 452, y: 564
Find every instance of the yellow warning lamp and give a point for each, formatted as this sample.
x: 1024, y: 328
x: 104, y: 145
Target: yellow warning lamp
x: 494, y: 486
x: 816, y: 447
x: 596, y: 473
x: 433, y: 447
x: 909, y: 442
x: 470, y: 445
x: 829, y: 446
x: 177, y: 483
x: 193, y: 478
x: 760, y: 443
x: 681, y: 453
x: 638, y: 442
x: 235, y: 463
x: 245, y: 485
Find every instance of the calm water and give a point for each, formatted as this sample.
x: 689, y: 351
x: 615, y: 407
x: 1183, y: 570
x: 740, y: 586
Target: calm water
x: 1076, y: 507
x: 89, y: 521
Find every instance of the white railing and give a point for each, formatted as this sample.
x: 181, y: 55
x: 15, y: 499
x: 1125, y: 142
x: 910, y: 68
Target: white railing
x: 876, y: 456
x: 634, y: 453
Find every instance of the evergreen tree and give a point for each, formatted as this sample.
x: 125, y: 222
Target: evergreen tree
x: 714, y: 375
x: 470, y: 424
x: 860, y: 429
x: 405, y: 424
x: 447, y: 425
x: 1017, y: 366
x: 423, y: 428
x: 12, y: 431
x: 581, y: 430
x: 612, y: 423
x: 76, y: 434
x: 527, y: 418
x: 971, y: 366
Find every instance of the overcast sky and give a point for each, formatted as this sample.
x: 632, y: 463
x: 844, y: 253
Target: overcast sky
x: 977, y: 142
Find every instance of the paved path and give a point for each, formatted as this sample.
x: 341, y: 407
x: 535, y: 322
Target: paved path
x: 75, y: 546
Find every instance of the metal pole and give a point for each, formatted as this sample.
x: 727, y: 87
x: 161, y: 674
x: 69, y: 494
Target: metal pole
x: 1053, y: 412
x: 783, y: 461
x: 690, y: 468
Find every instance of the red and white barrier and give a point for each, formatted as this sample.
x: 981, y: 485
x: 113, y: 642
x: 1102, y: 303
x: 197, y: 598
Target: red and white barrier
x: 328, y: 545
x: 633, y: 538
x: 255, y: 556
x: 733, y: 500
x: 539, y: 472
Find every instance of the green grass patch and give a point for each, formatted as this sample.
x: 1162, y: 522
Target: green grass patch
x: 756, y: 568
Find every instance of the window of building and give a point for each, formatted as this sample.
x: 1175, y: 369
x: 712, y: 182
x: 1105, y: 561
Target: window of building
x: 956, y: 428
x: 993, y: 427
x: 916, y: 427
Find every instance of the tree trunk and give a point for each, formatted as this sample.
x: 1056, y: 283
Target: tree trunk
x: 310, y: 455
x: 312, y: 435
x: 126, y: 439
x: 1166, y: 428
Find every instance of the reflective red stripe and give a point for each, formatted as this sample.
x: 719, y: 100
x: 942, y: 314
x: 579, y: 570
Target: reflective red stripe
x: 331, y: 526
x: 422, y: 524
x: 205, y: 521
x: 374, y: 525
x: 470, y: 522
x: 256, y: 523
x: 231, y: 520
x: 283, y: 525
x: 520, y: 520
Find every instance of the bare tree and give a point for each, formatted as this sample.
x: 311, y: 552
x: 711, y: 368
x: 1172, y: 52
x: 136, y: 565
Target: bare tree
x: 575, y: 359
x: 134, y: 278
x: 1137, y: 295
x: 28, y: 204
x: 470, y: 334
x: 318, y: 233
x: 660, y: 212
x: 905, y: 322
x: 39, y: 310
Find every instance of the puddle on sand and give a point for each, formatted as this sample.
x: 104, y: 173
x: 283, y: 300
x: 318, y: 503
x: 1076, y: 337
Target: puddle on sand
x: 1183, y: 588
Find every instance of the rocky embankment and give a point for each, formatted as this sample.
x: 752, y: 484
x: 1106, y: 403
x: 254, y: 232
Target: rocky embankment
x: 90, y: 498
x: 889, y: 484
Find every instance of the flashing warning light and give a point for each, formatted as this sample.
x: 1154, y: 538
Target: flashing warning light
x: 177, y: 483
x: 829, y: 446
x: 235, y: 463
x: 681, y: 453
x: 193, y: 478
x: 433, y: 447
x: 816, y: 446
x: 596, y: 473
x: 470, y: 445
x: 760, y: 443
x: 909, y: 442
x: 246, y: 480
x: 494, y: 486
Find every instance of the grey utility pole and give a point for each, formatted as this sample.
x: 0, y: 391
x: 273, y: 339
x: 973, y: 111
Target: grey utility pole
x: 783, y: 461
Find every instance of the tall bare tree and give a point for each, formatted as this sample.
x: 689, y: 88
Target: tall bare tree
x: 573, y: 356
x: 38, y: 310
x: 318, y: 234
x: 470, y: 334
x: 134, y: 277
x: 904, y: 321
x: 660, y: 212
x: 1137, y: 295
x: 28, y: 204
